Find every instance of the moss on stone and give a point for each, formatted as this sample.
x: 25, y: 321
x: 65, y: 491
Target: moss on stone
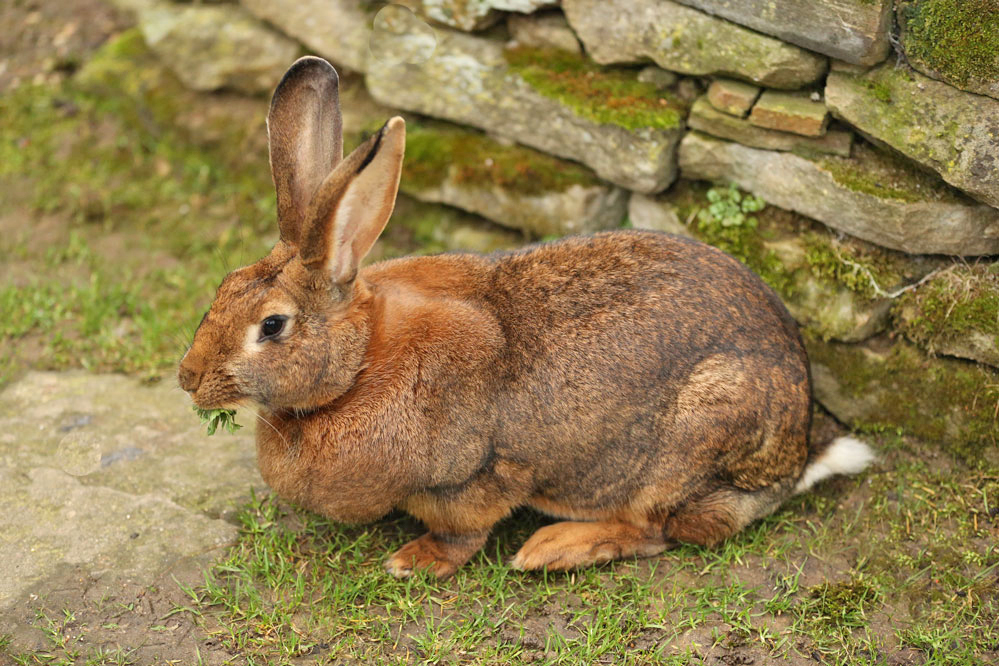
x: 943, y: 400
x: 957, y: 38
x: 885, y: 175
x: 959, y: 301
x: 606, y: 95
x: 860, y: 268
x: 438, y: 152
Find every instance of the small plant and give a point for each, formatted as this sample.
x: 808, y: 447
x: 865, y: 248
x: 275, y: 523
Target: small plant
x: 214, y: 418
x: 728, y: 208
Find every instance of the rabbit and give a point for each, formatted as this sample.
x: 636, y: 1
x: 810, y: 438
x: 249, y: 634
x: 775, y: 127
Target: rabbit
x: 645, y: 389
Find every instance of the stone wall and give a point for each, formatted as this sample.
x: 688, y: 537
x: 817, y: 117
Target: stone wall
x: 847, y: 150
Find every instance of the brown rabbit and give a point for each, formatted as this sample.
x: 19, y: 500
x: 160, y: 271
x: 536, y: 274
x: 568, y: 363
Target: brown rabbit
x: 646, y: 388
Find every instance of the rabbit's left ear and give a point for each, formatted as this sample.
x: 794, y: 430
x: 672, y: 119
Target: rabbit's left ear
x: 304, y: 130
x: 353, y: 204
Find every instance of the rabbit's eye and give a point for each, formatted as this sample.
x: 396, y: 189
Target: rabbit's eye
x: 272, y: 326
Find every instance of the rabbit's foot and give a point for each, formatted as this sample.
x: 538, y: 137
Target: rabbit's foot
x: 441, y: 554
x: 574, y: 544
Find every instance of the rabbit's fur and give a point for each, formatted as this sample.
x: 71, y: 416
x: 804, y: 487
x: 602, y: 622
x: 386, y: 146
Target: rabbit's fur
x: 647, y: 388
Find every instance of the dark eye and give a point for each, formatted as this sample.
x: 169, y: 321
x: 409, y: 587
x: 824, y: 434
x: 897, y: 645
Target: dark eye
x: 272, y: 326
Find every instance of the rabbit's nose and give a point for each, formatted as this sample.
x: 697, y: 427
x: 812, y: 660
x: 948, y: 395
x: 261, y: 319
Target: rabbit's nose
x: 189, y: 379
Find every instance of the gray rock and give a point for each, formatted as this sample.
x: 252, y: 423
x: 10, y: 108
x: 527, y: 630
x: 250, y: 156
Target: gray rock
x: 113, y: 478
x: 935, y: 40
x: 886, y: 383
x: 511, y: 185
x: 398, y: 36
x: 338, y: 30
x: 657, y: 214
x: 468, y: 81
x: 470, y: 15
x: 212, y: 47
x: 846, y: 29
x: 871, y: 196
x: 955, y: 133
x: 688, y: 41
x: 704, y: 117
x: 657, y: 76
x: 545, y: 30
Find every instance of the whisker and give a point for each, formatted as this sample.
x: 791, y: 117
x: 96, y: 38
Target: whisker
x: 259, y: 416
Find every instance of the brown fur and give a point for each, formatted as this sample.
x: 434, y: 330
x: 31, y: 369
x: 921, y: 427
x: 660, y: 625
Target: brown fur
x: 648, y: 383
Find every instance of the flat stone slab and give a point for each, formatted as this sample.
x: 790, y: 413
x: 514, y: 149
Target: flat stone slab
x: 212, y: 47
x: 732, y: 97
x: 544, y: 30
x: 790, y: 112
x: 513, y: 186
x: 953, y: 132
x: 685, y: 40
x: 851, y: 30
x: 870, y: 195
x: 339, y: 30
x: 112, y: 480
x: 704, y: 117
x: 469, y: 15
x: 468, y: 81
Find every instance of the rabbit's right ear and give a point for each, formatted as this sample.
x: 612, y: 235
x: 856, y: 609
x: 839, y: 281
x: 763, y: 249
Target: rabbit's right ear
x: 305, y: 132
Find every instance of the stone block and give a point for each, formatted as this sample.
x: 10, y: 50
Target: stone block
x: 732, y: 97
x: 790, y: 112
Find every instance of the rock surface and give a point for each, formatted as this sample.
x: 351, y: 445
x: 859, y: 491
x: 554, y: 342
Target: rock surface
x: 846, y: 29
x: 869, y: 196
x: 468, y: 81
x: 952, y: 132
x: 893, y: 384
x: 113, y: 479
x: 544, y: 30
x: 790, y: 112
x: 469, y: 15
x: 956, y: 313
x: 954, y: 41
x: 704, y: 117
x: 212, y: 47
x: 514, y: 186
x: 685, y: 40
x: 335, y: 29
x: 732, y: 97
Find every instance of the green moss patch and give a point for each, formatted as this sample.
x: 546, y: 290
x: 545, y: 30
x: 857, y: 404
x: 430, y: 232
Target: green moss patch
x: 959, y: 301
x: 885, y: 175
x: 438, y: 152
x: 606, y: 95
x: 959, y: 39
x: 943, y: 400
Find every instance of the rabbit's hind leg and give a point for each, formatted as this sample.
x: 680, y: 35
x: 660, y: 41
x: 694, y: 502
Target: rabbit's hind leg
x: 571, y: 544
x: 722, y: 512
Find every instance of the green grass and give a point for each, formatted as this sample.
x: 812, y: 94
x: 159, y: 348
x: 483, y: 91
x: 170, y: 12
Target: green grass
x: 857, y: 569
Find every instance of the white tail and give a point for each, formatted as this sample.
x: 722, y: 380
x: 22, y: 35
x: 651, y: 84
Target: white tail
x: 844, y: 455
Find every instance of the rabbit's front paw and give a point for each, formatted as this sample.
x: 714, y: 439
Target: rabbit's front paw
x: 440, y: 554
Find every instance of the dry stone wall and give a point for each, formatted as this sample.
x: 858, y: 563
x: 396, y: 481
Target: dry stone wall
x: 846, y: 150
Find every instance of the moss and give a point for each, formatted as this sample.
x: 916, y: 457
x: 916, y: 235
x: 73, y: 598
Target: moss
x: 959, y: 39
x: 947, y: 401
x: 853, y: 267
x: 885, y: 175
x: 438, y: 152
x: 840, y: 605
x: 606, y: 95
x: 957, y: 302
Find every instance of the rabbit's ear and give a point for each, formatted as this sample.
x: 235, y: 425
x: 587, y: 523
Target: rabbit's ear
x: 353, y: 204
x: 304, y: 129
